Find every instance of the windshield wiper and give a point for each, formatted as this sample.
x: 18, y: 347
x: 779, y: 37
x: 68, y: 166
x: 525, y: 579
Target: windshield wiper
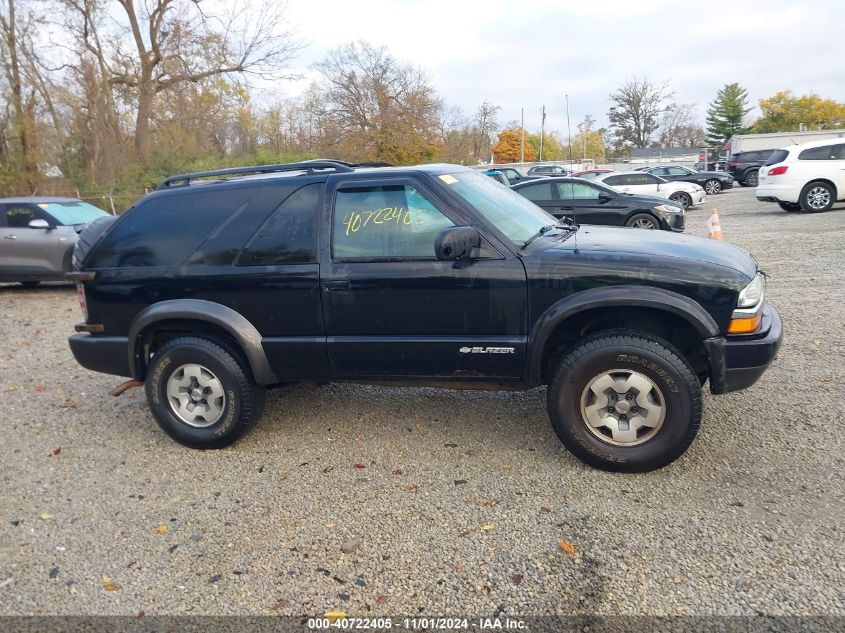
x: 562, y: 223
x: 539, y: 233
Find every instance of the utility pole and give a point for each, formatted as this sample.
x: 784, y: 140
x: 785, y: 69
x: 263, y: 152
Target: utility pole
x: 522, y: 135
x: 542, y: 130
x: 568, y: 128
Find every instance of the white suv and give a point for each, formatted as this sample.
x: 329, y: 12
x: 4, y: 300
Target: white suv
x: 810, y: 176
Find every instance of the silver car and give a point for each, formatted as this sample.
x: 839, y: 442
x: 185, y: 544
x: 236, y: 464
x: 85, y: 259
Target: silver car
x: 37, y: 236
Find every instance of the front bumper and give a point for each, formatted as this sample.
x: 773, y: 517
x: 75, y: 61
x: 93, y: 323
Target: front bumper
x: 105, y: 354
x: 697, y: 197
x: 737, y: 362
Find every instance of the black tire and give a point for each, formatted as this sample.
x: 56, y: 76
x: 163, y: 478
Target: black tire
x: 751, y: 178
x: 243, y: 400
x: 713, y: 187
x: 817, y: 196
x: 89, y: 236
x: 684, y: 199
x: 649, y: 356
x: 639, y: 220
x: 29, y: 284
x: 789, y: 206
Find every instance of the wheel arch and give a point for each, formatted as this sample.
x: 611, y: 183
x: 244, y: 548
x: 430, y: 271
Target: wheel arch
x: 209, y: 317
x: 648, y: 212
x: 596, y: 306
x: 826, y: 181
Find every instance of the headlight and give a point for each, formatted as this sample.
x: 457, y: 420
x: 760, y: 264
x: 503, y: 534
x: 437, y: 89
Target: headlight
x: 753, y: 293
x: 666, y: 208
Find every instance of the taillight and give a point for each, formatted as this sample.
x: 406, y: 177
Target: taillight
x: 80, y: 290
x: 778, y: 171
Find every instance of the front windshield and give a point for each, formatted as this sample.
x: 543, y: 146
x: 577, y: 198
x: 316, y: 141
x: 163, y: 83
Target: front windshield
x: 72, y: 211
x: 517, y: 217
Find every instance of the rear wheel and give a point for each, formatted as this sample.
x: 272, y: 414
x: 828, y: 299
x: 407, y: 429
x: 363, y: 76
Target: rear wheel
x: 751, y: 178
x: 625, y: 401
x: 201, y: 395
x: 817, y: 196
x: 789, y: 206
x: 712, y: 187
x: 643, y: 221
x: 684, y: 199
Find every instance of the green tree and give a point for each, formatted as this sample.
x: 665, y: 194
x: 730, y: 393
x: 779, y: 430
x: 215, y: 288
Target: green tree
x: 726, y: 113
x: 552, y: 147
x: 784, y: 113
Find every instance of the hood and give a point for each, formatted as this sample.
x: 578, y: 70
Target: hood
x: 655, y: 246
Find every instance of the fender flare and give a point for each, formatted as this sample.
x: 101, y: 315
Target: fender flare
x: 244, y: 332
x: 609, y: 296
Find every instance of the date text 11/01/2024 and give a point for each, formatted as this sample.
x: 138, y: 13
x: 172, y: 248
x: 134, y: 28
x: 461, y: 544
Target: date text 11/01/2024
x: 335, y: 621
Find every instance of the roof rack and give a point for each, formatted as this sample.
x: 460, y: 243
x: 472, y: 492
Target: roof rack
x: 184, y: 180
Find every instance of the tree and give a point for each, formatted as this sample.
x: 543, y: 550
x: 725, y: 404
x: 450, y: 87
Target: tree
x: 378, y: 108
x: 589, y: 143
x: 726, y: 114
x: 678, y: 127
x: 167, y: 45
x: 507, y: 149
x: 553, y: 149
x: 783, y: 112
x: 23, y: 104
x: 635, y: 110
x: 484, y: 127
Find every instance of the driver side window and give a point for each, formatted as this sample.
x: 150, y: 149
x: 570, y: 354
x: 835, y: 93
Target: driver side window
x: 19, y: 217
x: 392, y: 221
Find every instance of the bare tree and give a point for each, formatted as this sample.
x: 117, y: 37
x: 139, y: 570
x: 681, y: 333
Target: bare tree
x: 378, y: 108
x: 485, y: 129
x: 23, y: 104
x: 635, y: 110
x: 678, y: 127
x: 166, y: 44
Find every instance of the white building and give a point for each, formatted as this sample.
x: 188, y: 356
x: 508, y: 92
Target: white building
x: 775, y: 140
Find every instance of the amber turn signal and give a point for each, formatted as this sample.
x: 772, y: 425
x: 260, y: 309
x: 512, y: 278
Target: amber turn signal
x: 745, y: 325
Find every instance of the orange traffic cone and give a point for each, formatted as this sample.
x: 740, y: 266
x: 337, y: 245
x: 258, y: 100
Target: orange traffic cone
x: 715, y: 226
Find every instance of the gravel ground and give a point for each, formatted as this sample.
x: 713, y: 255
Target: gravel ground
x: 422, y: 501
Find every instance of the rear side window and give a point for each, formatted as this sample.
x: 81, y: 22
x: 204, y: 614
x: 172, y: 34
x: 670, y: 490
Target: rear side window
x: 165, y: 230
x: 777, y: 156
x: 826, y: 152
x: 289, y: 236
x: 536, y: 192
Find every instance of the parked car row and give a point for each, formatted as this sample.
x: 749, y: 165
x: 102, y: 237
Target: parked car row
x: 712, y: 182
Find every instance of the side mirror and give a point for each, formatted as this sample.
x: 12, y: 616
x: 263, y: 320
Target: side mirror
x: 38, y: 223
x: 456, y: 242
x: 604, y: 198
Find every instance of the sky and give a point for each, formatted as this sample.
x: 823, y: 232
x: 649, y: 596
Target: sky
x: 529, y: 53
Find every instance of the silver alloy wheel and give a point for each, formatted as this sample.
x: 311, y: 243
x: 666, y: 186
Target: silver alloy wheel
x: 712, y: 187
x: 622, y: 407
x: 643, y: 223
x: 685, y: 200
x: 196, y: 395
x: 818, y: 198
x: 752, y: 179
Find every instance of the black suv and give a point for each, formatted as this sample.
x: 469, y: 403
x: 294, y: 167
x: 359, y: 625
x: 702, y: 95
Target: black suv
x: 743, y: 166
x: 221, y: 284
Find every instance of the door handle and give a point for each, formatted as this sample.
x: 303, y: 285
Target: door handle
x: 10, y: 237
x: 567, y: 208
x: 336, y: 286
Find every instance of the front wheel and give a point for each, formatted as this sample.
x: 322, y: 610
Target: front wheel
x: 789, y: 206
x: 684, y: 199
x: 202, y: 395
x: 643, y: 221
x: 712, y: 187
x: 625, y: 401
